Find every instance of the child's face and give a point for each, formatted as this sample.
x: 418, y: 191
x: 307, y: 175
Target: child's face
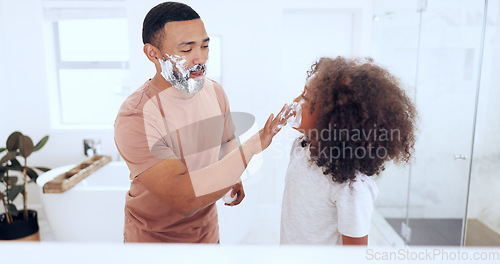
x: 308, y: 119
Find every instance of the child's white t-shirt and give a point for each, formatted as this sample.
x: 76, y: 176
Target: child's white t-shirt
x: 316, y: 210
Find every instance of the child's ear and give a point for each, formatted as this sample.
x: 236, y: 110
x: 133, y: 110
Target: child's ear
x: 152, y: 52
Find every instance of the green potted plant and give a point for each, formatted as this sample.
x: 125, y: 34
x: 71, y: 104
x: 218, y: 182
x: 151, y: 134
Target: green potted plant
x: 18, y: 224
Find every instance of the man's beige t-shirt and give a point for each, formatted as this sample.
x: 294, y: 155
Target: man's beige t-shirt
x: 152, y: 126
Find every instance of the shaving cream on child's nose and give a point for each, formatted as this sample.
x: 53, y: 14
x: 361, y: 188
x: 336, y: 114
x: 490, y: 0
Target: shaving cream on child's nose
x: 296, y: 119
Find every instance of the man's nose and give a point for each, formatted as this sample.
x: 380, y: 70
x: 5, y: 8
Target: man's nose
x: 200, y: 57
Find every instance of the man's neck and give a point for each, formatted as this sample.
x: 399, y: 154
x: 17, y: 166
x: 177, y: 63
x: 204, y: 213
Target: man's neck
x: 166, y: 87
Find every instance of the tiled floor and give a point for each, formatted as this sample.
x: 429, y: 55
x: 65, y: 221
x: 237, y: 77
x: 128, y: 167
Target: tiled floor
x: 478, y: 234
x: 437, y: 232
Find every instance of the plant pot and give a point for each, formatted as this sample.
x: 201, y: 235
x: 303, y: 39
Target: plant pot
x: 20, y: 229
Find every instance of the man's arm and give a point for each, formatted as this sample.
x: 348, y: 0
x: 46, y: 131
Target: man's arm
x: 170, y: 181
x: 227, y: 147
x: 188, y: 192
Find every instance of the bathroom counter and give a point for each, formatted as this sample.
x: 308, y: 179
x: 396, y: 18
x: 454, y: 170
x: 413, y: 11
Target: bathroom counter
x: 48, y: 252
x: 54, y: 252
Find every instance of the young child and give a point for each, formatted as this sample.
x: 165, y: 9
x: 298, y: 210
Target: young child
x: 355, y: 118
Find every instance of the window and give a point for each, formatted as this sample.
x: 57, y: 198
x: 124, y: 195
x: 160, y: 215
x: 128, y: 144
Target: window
x: 88, y: 60
x: 92, y: 61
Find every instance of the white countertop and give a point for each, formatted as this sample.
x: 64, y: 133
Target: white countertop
x: 48, y: 252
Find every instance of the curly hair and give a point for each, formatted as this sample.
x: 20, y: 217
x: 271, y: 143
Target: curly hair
x: 364, y: 118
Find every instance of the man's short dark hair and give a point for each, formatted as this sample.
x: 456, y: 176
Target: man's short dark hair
x: 158, y: 16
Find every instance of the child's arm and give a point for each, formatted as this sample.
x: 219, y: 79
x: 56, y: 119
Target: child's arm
x: 355, y: 241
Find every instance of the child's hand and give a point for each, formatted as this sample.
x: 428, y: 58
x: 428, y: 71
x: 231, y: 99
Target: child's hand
x: 271, y: 128
x: 235, y: 196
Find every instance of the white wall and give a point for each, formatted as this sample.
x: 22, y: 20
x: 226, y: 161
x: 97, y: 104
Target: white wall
x: 23, y: 89
x: 24, y: 63
x: 4, y: 91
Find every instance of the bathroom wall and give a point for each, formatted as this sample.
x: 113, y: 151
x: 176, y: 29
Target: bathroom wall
x: 24, y: 79
x: 3, y: 81
x: 22, y: 86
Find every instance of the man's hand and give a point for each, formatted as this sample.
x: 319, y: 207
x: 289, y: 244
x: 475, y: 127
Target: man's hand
x: 237, y: 190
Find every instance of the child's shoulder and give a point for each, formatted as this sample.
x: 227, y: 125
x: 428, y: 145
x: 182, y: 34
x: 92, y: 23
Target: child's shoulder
x: 361, y: 185
x: 300, y: 150
x: 295, y: 143
x: 299, y: 142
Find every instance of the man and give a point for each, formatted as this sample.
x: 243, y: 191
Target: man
x: 177, y: 137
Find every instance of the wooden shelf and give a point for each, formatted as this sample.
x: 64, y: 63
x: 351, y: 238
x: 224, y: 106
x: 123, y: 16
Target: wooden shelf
x: 67, y: 180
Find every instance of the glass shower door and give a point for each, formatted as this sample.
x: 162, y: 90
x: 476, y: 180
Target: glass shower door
x: 483, y: 226
x: 439, y: 56
x: 447, y: 75
x: 394, y: 46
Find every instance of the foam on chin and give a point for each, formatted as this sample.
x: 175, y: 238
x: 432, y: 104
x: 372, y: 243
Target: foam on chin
x: 180, y: 79
x: 192, y: 85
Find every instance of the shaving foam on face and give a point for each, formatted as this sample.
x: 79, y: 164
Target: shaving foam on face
x: 296, y: 119
x: 180, y: 79
x: 288, y: 109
